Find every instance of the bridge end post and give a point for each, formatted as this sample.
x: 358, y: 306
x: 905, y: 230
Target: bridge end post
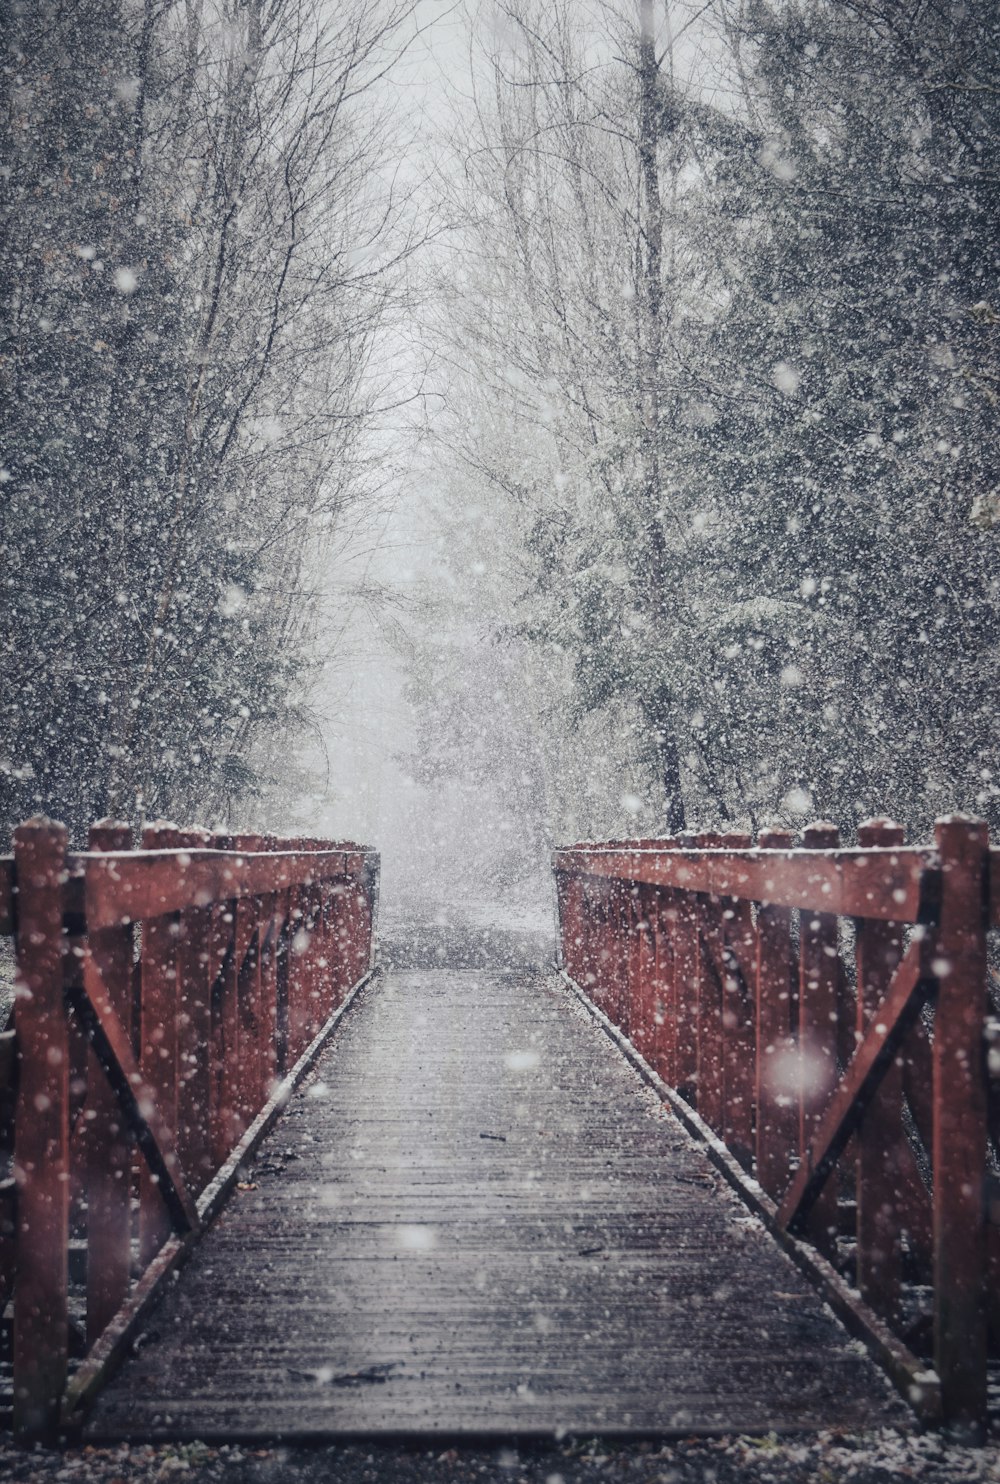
x: 41, y: 1150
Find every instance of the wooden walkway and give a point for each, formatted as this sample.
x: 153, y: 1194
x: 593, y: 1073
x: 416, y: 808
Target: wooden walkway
x: 475, y: 1220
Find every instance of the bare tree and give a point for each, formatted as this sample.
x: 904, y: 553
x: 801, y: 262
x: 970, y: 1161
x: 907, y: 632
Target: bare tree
x: 204, y: 216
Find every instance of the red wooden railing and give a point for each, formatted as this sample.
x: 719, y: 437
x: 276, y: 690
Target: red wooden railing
x: 167, y: 1000
x: 826, y: 1012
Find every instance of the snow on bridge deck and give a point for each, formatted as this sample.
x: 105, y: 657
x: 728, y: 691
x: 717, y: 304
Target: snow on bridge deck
x: 475, y: 1220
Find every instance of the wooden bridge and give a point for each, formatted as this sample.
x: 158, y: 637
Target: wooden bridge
x: 260, y: 1190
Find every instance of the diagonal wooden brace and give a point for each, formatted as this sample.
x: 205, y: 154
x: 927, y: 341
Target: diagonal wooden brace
x: 154, y: 1138
x: 912, y: 985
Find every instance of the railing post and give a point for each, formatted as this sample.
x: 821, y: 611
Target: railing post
x: 109, y: 1143
x: 777, y: 1131
x: 960, y: 1111
x: 269, y: 927
x: 159, y: 969
x: 374, y: 876
x: 225, y: 1020
x: 819, y: 999
x: 879, y: 949
x: 194, y: 1034
x: 248, y: 992
x: 739, y: 957
x: 41, y: 1152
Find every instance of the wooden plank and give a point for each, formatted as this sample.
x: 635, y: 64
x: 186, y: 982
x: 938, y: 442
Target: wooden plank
x: 41, y: 1147
x: 153, y: 883
x: 889, y: 884
x: 106, y: 1355
x: 438, y: 1244
x: 919, y: 1386
x: 911, y: 986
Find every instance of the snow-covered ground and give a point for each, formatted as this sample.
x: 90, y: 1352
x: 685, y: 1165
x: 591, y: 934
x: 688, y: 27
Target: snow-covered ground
x: 825, y: 1458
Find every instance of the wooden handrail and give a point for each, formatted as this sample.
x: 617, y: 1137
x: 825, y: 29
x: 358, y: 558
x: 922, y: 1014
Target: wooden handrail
x: 897, y: 885
x: 730, y: 969
x: 154, y: 1064
x: 111, y: 889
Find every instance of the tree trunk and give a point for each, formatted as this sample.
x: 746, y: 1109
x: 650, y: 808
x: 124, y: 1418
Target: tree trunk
x: 658, y: 710
x: 659, y: 705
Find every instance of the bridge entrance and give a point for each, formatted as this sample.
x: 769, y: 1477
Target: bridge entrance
x: 474, y: 1219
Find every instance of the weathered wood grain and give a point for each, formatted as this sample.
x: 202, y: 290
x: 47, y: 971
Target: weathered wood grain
x: 475, y: 1220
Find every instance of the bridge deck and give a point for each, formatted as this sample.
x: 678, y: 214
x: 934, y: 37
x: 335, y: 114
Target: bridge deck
x: 476, y: 1220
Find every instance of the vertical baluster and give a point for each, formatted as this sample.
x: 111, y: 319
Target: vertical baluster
x: 611, y: 951
x: 109, y: 959
x: 879, y: 948
x: 298, y: 988
x: 373, y: 878
x: 332, y: 994
x: 249, y: 1059
x: 338, y: 914
x: 354, y: 918
x: 710, y: 1069
x: 268, y: 988
x: 308, y: 903
x: 777, y: 1130
x: 739, y: 954
x: 597, y: 893
x: 664, y: 918
x: 819, y: 1003
x: 310, y: 965
x: 158, y: 973
x: 588, y: 918
x: 623, y: 936
x: 283, y: 1058
x: 225, y: 1019
x: 41, y: 1151
x: 960, y: 1122
x: 666, y: 991
x: 562, y: 923
x: 320, y: 977
x: 644, y: 999
x: 628, y: 954
x: 364, y: 902
x: 194, y: 1034
x: 687, y: 987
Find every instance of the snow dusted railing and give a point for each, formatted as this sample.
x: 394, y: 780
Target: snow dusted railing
x: 167, y: 1000
x: 826, y: 1013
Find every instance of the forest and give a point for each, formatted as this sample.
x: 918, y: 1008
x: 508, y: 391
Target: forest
x: 672, y: 329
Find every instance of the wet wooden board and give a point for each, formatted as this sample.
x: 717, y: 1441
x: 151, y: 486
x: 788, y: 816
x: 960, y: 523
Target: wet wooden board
x: 477, y: 1221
